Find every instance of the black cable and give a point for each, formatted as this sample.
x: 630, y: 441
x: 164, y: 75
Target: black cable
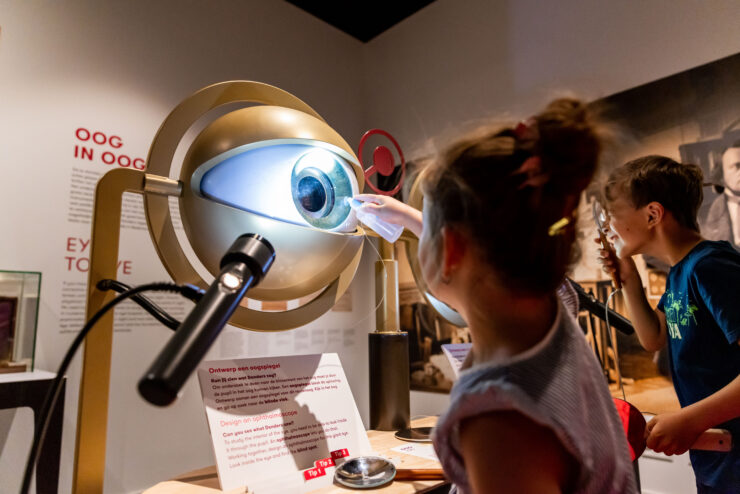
x: 190, y: 292
x: 144, y: 302
x: 51, y: 397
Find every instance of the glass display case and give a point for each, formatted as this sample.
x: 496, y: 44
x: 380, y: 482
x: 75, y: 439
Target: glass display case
x: 19, y: 307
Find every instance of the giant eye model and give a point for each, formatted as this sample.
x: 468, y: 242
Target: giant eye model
x: 303, y: 184
x: 277, y: 169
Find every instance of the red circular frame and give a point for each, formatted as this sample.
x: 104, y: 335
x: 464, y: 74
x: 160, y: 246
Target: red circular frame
x: 381, y: 168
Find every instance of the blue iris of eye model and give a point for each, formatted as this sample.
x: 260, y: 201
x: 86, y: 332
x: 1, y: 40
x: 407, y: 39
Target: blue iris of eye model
x: 296, y: 183
x: 319, y: 185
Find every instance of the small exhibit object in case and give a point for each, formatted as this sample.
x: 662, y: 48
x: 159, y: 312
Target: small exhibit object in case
x: 19, y: 303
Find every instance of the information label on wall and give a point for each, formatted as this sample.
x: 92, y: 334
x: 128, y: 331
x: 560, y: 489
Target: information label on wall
x: 280, y: 424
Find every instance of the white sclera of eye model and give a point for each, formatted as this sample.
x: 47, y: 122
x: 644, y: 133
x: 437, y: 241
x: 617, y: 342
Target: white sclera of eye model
x: 258, y: 180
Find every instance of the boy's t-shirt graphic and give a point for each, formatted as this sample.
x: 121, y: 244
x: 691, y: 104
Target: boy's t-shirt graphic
x: 702, y: 309
x: 679, y: 310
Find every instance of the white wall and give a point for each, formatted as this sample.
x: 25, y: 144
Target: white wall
x: 454, y: 62
x: 120, y: 68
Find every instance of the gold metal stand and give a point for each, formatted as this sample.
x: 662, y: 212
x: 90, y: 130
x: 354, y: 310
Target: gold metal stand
x: 92, y: 418
x: 386, y: 290
x: 388, y: 350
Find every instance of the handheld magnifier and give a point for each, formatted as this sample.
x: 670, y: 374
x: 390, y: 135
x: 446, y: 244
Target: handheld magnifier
x: 601, y: 219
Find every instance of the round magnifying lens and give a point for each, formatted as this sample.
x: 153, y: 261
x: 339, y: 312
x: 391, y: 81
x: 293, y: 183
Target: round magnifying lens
x: 600, y: 215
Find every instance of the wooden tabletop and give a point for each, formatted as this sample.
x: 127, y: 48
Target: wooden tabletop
x: 205, y: 480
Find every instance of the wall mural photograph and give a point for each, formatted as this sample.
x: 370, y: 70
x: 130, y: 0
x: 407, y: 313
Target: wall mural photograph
x: 692, y: 117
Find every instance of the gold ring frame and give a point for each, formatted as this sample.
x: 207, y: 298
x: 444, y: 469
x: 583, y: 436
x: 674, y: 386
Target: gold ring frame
x: 346, y: 249
x: 416, y: 200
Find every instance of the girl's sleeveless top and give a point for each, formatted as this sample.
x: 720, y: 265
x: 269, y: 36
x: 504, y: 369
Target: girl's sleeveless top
x: 559, y: 384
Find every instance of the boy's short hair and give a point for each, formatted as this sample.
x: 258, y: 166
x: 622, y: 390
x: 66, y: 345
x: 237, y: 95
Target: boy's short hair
x: 677, y: 186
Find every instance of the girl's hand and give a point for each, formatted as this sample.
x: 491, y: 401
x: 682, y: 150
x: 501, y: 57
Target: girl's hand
x: 384, y: 207
x: 392, y: 210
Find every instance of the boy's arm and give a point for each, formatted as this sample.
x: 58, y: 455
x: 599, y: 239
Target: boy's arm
x: 648, y: 323
x: 716, y: 281
x: 673, y: 433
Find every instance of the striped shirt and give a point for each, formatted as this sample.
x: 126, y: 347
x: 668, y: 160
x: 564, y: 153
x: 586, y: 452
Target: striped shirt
x: 559, y: 384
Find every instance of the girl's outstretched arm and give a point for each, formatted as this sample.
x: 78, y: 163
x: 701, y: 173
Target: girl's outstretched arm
x: 393, y: 211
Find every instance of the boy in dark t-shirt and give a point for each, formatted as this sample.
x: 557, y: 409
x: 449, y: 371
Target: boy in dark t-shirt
x: 652, y: 203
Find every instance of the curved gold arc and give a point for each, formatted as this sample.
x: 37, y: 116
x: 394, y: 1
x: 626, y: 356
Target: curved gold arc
x: 289, y: 319
x: 159, y: 219
x: 416, y: 200
x: 185, y: 114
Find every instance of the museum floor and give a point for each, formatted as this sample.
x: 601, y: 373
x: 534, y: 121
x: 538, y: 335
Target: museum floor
x: 652, y: 395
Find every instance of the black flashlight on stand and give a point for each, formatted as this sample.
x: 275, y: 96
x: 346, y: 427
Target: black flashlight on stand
x: 242, y: 267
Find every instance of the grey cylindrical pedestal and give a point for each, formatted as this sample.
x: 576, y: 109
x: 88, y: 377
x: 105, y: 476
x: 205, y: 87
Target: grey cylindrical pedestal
x: 389, y: 381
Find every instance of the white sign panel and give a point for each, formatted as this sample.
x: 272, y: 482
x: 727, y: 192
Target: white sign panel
x: 279, y: 424
x: 457, y: 353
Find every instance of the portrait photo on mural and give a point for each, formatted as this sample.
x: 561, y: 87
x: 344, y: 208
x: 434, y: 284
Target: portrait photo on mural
x: 692, y: 117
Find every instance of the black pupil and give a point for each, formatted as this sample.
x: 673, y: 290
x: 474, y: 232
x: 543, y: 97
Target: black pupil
x: 311, y: 193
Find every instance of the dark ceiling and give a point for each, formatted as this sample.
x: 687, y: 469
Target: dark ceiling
x: 363, y: 20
